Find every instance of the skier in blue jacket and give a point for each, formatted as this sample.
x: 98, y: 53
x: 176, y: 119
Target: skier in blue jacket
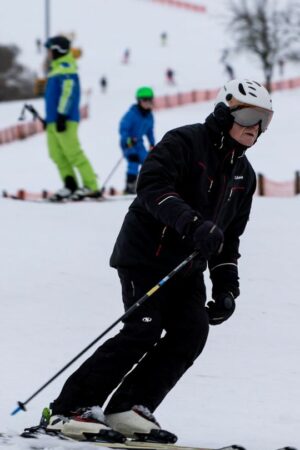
x: 135, y: 124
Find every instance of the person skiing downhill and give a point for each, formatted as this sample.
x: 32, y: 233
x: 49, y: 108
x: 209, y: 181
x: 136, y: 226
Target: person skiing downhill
x: 126, y: 56
x: 170, y: 76
x: 134, y: 125
x: 194, y: 193
x: 103, y: 84
x: 62, y: 98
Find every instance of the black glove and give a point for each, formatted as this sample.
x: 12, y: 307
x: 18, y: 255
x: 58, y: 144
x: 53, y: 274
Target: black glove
x: 221, y: 308
x: 207, y: 238
x: 223, y: 117
x: 61, y: 123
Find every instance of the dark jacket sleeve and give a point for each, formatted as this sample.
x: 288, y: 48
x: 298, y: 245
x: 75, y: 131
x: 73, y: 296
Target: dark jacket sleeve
x: 167, y: 167
x: 224, y: 266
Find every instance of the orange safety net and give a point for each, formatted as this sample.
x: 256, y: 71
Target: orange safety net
x: 183, y: 4
x: 278, y: 188
x: 184, y: 98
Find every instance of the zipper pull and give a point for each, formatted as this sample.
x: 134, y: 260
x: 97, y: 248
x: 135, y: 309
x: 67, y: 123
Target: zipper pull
x: 232, y: 156
x: 222, y: 141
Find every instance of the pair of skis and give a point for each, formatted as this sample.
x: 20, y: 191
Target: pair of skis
x: 45, y: 197
x: 94, y: 440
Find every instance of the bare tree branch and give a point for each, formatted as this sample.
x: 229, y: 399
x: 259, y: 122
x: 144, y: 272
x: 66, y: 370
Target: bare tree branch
x: 260, y: 28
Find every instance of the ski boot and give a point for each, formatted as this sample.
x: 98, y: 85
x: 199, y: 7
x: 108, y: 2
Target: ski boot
x: 84, y: 424
x: 70, y: 186
x: 139, y: 423
x: 61, y: 195
x: 130, y: 187
x: 82, y: 193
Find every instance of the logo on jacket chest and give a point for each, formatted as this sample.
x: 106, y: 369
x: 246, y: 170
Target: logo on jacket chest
x: 147, y: 319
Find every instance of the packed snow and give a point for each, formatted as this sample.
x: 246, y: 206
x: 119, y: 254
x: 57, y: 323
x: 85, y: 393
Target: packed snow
x: 58, y: 291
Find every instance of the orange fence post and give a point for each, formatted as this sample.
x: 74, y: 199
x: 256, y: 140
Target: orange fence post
x: 297, y: 182
x: 260, y: 184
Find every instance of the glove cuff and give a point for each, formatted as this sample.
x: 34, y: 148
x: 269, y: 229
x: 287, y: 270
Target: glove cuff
x: 225, y: 279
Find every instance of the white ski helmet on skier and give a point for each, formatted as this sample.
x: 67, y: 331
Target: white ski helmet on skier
x: 250, y: 102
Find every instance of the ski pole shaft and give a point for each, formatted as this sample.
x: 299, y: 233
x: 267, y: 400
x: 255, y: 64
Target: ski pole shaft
x: 137, y: 304
x: 34, y: 112
x: 111, y: 173
x: 22, y: 114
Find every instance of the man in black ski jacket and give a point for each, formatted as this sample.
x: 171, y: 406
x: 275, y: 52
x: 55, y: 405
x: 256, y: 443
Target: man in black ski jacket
x: 194, y: 193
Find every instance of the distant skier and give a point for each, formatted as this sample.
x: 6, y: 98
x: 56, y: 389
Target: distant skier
x: 194, y: 194
x: 103, y: 84
x: 135, y: 124
x: 170, y: 76
x: 62, y: 117
x: 39, y: 45
x: 163, y: 38
x: 126, y: 56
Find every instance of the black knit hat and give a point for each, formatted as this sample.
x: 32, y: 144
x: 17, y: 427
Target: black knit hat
x: 59, y: 45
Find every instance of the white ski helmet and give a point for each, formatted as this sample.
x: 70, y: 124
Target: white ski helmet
x: 239, y: 94
x: 245, y: 92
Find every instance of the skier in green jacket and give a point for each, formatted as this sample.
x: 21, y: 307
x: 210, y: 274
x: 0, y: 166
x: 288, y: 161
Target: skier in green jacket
x: 62, y: 98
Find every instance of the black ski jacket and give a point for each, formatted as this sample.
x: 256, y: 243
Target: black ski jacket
x: 193, y: 171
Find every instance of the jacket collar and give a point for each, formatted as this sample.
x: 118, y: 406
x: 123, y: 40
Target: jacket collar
x: 222, y: 141
x: 66, y: 63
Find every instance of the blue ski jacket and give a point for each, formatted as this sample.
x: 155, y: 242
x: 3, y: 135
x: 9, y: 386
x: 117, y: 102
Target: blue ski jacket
x: 62, y: 93
x: 135, y: 124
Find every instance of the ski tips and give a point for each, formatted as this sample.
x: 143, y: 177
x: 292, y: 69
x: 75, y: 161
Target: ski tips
x: 233, y: 447
x: 287, y: 448
x: 20, y: 407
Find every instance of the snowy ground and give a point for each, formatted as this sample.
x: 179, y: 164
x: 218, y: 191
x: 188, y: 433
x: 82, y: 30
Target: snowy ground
x: 58, y: 292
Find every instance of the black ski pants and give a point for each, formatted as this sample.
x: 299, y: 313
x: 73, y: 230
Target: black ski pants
x: 156, y: 345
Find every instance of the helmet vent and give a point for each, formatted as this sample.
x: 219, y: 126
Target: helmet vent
x: 241, y: 89
x: 245, y: 92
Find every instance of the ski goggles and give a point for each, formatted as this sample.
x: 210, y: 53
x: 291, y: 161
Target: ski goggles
x: 146, y: 99
x: 248, y: 116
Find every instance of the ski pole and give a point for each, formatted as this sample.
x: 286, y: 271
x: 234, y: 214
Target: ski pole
x: 111, y: 173
x: 22, y: 115
x: 137, y: 304
x: 33, y: 111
